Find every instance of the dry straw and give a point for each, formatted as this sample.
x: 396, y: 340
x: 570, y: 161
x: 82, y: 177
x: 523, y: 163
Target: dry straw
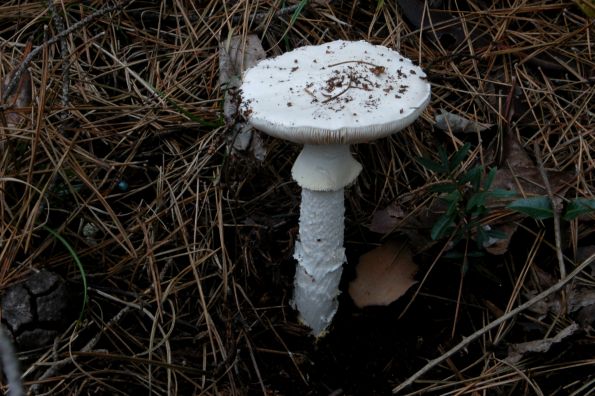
x: 187, y: 245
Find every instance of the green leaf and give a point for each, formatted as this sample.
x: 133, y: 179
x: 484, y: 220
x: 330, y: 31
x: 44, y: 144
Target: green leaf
x: 489, y: 179
x: 453, y: 198
x: 481, y: 236
x: 577, y: 207
x: 453, y: 207
x: 496, y: 234
x: 441, y: 226
x: 443, y: 157
x: 538, y: 208
x: 298, y: 11
x: 443, y: 188
x: 456, y: 255
x: 477, y: 200
x: 473, y: 176
x: 431, y: 165
x: 459, y: 156
x: 502, y: 193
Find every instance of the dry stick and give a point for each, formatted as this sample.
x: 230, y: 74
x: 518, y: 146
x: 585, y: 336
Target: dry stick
x: 25, y: 63
x: 10, y: 365
x: 88, y: 347
x: 261, y: 16
x: 557, y: 210
x: 55, y: 366
x: 59, y: 24
x: 467, y: 340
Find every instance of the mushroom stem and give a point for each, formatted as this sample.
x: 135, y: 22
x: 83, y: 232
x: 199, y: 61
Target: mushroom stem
x: 320, y: 256
x: 322, y: 171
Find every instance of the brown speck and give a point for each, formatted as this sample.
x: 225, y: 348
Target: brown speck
x: 289, y: 104
x: 377, y: 70
x: 295, y: 61
x: 412, y: 71
x: 294, y: 68
x: 401, y: 111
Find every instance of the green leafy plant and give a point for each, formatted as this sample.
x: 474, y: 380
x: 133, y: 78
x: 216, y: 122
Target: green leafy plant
x: 541, y: 208
x: 466, y: 194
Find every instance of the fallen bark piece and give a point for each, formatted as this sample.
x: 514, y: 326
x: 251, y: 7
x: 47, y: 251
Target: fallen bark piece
x: 450, y: 121
x: 517, y: 351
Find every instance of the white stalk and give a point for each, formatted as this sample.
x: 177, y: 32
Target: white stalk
x: 320, y: 256
x: 322, y: 171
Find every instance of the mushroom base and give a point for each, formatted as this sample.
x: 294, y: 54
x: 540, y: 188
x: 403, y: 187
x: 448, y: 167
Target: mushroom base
x: 320, y: 256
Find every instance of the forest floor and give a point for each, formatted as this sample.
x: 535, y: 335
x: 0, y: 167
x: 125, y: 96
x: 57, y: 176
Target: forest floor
x: 146, y: 234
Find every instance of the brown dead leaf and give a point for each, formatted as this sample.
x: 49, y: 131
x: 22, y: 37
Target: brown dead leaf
x: 518, y: 172
x: 500, y: 246
x: 385, y: 220
x: 383, y: 275
x: 21, y: 96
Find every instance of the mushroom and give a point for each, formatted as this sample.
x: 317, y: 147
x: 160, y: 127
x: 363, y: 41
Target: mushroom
x: 326, y: 97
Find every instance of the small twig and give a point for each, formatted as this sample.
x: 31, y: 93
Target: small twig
x: 10, y: 365
x: 56, y: 366
x: 59, y: 24
x: 349, y: 86
x: 16, y: 77
x: 467, y: 340
x: 356, y: 61
x: 557, y: 209
x: 259, y: 17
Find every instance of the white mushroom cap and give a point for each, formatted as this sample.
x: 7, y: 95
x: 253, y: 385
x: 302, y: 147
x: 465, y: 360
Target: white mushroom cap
x: 338, y: 92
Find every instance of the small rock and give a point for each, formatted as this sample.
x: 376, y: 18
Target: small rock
x: 36, y: 310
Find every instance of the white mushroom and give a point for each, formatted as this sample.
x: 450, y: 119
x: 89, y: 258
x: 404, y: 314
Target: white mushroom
x: 327, y: 97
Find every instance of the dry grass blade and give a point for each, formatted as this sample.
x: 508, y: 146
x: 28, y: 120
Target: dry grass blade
x: 122, y: 146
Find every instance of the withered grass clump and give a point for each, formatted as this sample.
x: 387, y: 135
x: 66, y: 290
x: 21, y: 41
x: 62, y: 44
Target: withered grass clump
x: 114, y: 137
